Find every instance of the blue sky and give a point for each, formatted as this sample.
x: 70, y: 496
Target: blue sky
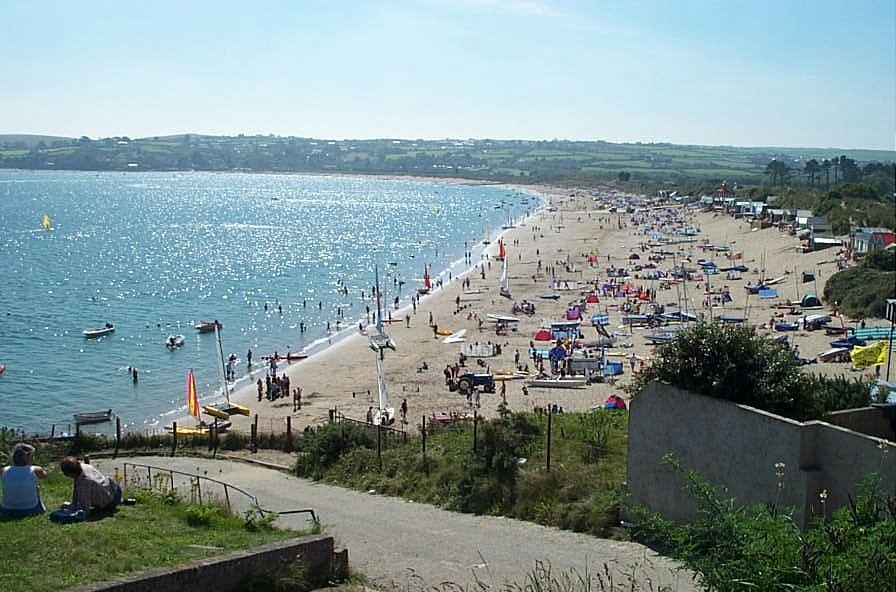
x: 739, y: 72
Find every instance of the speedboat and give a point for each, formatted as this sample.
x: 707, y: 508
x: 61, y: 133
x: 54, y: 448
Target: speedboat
x: 207, y: 326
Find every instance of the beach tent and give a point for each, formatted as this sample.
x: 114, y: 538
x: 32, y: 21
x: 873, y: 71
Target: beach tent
x: 810, y: 300
x: 573, y: 314
x: 543, y: 335
x: 615, y: 402
x: 591, y: 298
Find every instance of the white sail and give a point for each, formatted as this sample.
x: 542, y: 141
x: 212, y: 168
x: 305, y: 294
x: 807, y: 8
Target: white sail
x: 381, y: 339
x: 505, y: 283
x: 384, y: 415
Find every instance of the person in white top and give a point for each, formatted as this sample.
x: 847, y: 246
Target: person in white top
x: 21, y: 492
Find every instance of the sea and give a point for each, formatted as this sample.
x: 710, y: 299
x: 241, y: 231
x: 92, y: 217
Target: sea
x: 154, y: 253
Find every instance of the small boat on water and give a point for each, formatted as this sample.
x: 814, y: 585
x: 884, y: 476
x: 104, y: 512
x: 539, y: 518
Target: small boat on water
x: 85, y: 417
x: 174, y: 341
x: 207, y: 326
x: 94, y: 332
x: 567, y: 382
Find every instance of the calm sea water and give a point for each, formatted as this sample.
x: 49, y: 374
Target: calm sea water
x: 155, y: 253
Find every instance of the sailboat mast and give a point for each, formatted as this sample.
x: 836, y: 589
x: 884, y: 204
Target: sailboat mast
x: 220, y: 354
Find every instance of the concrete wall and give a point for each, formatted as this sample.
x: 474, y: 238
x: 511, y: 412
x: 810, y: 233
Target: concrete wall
x: 737, y: 447
x: 222, y: 574
x: 872, y: 421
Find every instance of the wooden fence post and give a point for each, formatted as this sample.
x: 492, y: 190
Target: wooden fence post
x: 475, y: 428
x: 117, y: 435
x: 423, y: 438
x: 173, y: 437
x: 254, y: 436
x: 379, y: 445
x: 548, y: 446
x: 288, y: 433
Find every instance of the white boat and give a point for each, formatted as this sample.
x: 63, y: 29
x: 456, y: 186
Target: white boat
x: 174, y: 341
x: 380, y: 340
x: 498, y: 318
x: 456, y: 337
x: 95, y: 332
x: 505, y: 284
x: 567, y: 382
x: 84, y: 417
x: 384, y: 414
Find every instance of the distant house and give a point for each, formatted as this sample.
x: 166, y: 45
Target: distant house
x: 867, y: 238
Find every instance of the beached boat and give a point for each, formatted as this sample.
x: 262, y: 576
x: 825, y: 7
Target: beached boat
x: 505, y: 283
x: 835, y: 354
x: 207, y: 326
x: 384, y: 414
x: 657, y: 338
x: 499, y: 318
x: 226, y: 408
x: 565, y: 382
x: 549, y: 296
x: 95, y: 332
x: 201, y: 429
x: 427, y: 283
x: 85, y: 417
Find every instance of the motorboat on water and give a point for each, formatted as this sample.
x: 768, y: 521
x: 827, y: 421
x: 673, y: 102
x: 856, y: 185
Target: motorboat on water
x: 94, y: 332
x: 207, y: 326
x: 174, y: 341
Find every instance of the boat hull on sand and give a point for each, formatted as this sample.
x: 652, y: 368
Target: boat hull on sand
x: 564, y: 383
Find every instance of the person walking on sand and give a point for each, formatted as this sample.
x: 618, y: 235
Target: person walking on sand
x: 632, y: 360
x: 404, y: 411
x: 370, y: 414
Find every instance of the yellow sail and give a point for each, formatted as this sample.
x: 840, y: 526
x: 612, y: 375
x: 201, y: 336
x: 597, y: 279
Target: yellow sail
x: 46, y: 222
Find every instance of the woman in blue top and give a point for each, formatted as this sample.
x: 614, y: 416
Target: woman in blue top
x: 21, y: 493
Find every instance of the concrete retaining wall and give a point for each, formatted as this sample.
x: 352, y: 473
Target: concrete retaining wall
x: 222, y: 574
x: 737, y: 447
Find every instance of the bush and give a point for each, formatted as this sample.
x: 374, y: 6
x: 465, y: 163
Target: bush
x: 736, y: 364
x: 734, y: 548
x: 320, y: 449
x: 862, y: 291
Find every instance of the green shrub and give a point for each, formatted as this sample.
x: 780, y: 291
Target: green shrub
x: 321, y: 448
x: 734, y: 548
x: 736, y: 364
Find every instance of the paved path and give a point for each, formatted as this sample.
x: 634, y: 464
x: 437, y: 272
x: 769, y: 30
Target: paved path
x: 401, y: 544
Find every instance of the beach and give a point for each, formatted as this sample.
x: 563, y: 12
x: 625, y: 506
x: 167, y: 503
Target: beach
x: 574, y: 241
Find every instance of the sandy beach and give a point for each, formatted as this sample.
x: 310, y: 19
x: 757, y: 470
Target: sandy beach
x: 561, y: 237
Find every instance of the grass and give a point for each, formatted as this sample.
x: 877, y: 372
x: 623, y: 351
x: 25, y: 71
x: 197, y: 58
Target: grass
x: 580, y: 492
x: 158, y: 531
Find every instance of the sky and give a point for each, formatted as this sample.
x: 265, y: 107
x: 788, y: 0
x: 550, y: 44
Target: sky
x: 797, y: 73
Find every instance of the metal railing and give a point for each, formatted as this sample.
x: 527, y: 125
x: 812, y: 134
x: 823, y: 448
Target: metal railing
x: 165, y: 477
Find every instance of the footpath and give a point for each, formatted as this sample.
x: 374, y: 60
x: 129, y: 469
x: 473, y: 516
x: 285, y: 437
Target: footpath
x: 401, y: 545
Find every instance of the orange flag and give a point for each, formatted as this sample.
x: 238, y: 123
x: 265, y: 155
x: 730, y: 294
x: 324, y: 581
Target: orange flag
x: 192, y: 399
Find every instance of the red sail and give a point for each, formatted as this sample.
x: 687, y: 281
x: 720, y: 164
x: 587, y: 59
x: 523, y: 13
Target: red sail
x: 426, y: 281
x: 501, y: 252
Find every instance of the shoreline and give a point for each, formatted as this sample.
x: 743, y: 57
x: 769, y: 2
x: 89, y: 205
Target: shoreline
x: 342, y: 374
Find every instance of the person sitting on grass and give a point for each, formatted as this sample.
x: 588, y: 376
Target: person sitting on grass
x: 92, y: 491
x: 21, y: 492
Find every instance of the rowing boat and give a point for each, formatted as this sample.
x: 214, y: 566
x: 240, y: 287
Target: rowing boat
x: 85, y: 417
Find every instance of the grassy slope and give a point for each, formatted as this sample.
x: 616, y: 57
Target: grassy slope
x: 152, y: 533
